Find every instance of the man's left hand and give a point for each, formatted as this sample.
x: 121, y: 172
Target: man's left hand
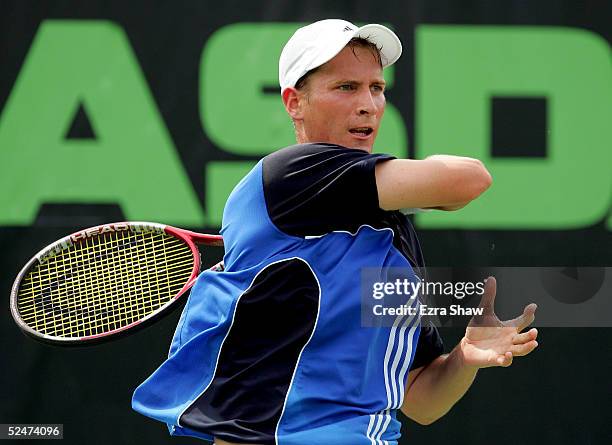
x: 491, y: 342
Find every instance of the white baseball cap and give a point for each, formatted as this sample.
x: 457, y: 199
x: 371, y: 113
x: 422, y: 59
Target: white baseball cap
x: 319, y: 42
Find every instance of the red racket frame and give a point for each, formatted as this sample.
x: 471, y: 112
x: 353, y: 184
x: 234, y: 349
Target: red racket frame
x: 190, y: 238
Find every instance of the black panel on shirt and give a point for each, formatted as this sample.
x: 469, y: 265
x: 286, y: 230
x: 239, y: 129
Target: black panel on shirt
x: 429, y: 346
x: 405, y: 240
x: 273, y: 321
x: 314, y: 189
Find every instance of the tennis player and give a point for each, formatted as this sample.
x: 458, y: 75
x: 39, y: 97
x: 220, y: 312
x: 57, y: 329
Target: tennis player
x: 272, y: 350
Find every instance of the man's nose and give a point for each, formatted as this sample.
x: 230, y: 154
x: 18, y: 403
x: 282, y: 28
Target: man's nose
x: 366, y: 103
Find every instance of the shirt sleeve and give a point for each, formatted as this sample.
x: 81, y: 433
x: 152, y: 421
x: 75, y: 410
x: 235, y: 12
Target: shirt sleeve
x: 429, y: 346
x: 314, y: 189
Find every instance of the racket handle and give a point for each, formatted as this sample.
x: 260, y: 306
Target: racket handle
x: 219, y: 267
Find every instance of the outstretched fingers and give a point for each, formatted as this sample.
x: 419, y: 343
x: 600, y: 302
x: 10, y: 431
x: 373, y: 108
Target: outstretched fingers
x: 524, y: 349
x: 523, y: 320
x: 488, y: 297
x: 519, y: 339
x: 505, y: 360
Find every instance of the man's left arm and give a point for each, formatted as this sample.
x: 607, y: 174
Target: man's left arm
x: 432, y: 390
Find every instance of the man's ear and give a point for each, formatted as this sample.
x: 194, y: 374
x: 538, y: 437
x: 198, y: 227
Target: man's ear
x: 293, y: 101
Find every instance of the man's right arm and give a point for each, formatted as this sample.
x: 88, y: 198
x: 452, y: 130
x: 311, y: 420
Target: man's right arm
x: 441, y: 181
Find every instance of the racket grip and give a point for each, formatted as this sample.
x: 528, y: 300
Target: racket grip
x: 219, y: 267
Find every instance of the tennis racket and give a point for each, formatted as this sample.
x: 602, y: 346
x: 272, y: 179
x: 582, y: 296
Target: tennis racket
x: 106, y: 280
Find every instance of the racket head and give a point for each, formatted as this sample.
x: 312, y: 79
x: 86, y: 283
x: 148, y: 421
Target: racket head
x: 103, y: 282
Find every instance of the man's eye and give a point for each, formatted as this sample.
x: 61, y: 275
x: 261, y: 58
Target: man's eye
x: 378, y: 88
x: 346, y: 87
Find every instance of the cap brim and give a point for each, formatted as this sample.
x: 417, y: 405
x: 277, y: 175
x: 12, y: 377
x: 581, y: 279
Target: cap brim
x: 386, y: 40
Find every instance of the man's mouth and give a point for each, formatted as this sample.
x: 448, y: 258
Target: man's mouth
x: 362, y: 131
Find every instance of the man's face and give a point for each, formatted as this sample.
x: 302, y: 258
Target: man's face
x: 345, y: 100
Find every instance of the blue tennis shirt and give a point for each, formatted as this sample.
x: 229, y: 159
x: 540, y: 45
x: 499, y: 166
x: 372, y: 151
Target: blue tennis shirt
x: 272, y: 350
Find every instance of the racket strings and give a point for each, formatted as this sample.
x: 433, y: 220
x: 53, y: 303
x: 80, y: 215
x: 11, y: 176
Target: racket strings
x: 80, y: 263
x: 104, y: 283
